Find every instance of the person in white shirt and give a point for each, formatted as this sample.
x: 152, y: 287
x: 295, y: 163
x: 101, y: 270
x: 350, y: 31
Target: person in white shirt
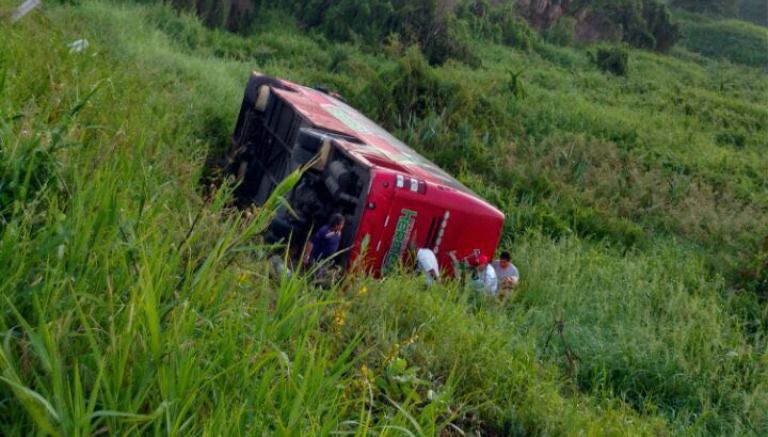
x: 426, y: 261
x: 485, y: 279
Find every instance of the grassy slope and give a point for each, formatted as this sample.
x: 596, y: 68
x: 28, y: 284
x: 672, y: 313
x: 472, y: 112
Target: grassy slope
x: 737, y: 41
x: 142, y: 306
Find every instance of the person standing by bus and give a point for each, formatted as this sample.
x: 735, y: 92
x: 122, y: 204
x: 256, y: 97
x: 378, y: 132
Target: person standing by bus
x: 325, y: 242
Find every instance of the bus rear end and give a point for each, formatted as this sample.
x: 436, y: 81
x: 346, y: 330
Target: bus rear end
x: 403, y: 211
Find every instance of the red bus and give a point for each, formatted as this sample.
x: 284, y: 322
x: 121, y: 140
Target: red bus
x: 390, y: 195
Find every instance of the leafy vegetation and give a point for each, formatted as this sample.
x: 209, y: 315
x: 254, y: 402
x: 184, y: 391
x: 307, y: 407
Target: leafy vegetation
x: 136, y: 302
x: 646, y: 24
x: 755, y: 11
x: 718, y: 7
x: 731, y: 40
x: 613, y: 60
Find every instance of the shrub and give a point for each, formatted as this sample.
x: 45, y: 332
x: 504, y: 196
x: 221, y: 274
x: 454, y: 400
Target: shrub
x: 659, y: 25
x: 561, y: 32
x: 410, y: 90
x: 755, y: 11
x: 613, y: 60
x: 233, y: 15
x: 727, y: 8
x: 733, y: 40
x: 428, y: 23
x: 422, y: 22
x: 645, y: 24
x: 450, y: 41
x: 515, y: 32
x: 736, y: 139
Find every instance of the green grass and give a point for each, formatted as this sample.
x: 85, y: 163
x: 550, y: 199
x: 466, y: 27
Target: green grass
x: 732, y: 40
x: 134, y: 301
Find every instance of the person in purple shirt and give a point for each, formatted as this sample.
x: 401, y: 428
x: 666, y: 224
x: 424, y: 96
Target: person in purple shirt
x: 325, y: 242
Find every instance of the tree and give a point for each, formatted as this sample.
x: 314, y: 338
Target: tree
x: 659, y: 23
x: 646, y: 24
x: 755, y: 11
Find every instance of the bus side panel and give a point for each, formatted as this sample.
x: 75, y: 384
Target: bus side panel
x: 409, y: 220
x: 373, y: 224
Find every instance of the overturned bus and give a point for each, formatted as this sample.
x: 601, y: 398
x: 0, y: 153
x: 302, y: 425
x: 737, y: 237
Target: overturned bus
x: 389, y: 194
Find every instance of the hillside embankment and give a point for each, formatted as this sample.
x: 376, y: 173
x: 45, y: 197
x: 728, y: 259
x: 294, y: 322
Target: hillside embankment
x: 135, y: 301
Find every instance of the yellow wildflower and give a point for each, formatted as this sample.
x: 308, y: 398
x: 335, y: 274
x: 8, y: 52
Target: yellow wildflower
x: 393, y: 353
x: 340, y: 316
x: 362, y: 291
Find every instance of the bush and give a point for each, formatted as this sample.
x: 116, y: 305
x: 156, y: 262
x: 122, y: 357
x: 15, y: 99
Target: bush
x: 498, y: 23
x: 515, y: 32
x: 645, y: 24
x: 659, y: 26
x: 736, y: 139
x: 613, y: 60
x: 232, y: 15
x: 409, y: 91
x: 736, y: 41
x: 726, y: 8
x: 450, y: 41
x: 421, y: 22
x: 755, y: 11
x: 561, y: 32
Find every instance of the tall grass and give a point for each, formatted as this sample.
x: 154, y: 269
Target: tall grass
x: 130, y: 304
x: 736, y: 41
x: 650, y: 326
